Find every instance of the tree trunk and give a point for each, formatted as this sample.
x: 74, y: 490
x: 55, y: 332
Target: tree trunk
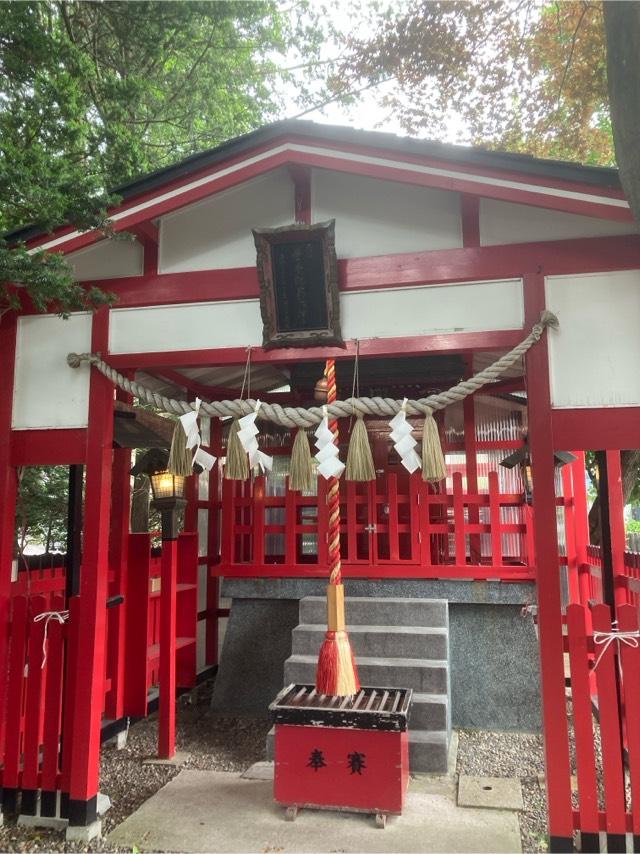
x: 622, y: 31
x: 629, y: 462
x: 140, y: 504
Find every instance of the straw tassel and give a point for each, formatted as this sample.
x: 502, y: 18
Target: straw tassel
x: 434, y: 468
x: 301, y: 471
x: 360, y: 464
x: 180, y: 460
x: 336, y: 674
x: 237, y: 466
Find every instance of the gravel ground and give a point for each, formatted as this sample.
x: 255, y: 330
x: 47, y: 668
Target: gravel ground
x: 506, y: 754
x: 216, y: 743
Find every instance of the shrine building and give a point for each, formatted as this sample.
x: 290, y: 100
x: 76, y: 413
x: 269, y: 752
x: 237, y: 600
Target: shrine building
x: 414, y: 266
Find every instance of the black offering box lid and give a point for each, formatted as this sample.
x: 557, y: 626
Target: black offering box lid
x: 384, y: 709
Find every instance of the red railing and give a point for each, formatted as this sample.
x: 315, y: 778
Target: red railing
x: 41, y: 671
x: 40, y: 582
x: 613, y: 686
x: 400, y: 528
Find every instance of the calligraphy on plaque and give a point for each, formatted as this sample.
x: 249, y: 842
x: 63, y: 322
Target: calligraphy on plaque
x: 298, y: 274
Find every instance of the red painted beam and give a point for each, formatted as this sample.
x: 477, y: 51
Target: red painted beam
x: 591, y: 429
x: 461, y: 342
x: 48, y: 447
x: 147, y: 232
x: 301, y: 176
x: 584, y: 255
x: 470, y: 209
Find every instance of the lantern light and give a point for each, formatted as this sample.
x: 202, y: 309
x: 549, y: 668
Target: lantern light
x: 167, y: 489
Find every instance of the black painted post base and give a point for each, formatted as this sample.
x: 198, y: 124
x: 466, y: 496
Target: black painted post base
x: 29, y: 803
x: 9, y: 800
x: 560, y: 843
x: 82, y: 813
x: 616, y: 842
x: 64, y: 805
x: 49, y: 804
x: 589, y: 842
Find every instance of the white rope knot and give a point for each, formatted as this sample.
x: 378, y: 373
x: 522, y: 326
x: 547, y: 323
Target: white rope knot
x: 605, y: 639
x: 58, y: 617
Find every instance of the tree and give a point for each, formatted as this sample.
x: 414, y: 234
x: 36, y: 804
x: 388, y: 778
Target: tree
x: 553, y: 79
x: 94, y: 93
x: 41, y: 512
x: 519, y: 74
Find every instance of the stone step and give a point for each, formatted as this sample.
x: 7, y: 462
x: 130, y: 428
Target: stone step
x: 428, y: 751
x: 378, y: 641
x: 428, y: 676
x: 379, y: 611
x: 429, y: 712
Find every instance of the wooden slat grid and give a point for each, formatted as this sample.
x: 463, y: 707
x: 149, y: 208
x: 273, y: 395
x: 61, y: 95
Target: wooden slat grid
x: 366, y: 700
x: 399, y: 522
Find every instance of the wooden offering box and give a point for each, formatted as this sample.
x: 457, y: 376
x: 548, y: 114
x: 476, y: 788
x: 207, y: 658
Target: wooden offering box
x: 345, y: 753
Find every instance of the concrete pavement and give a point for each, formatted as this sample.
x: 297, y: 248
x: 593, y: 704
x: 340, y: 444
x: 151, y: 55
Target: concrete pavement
x: 202, y: 811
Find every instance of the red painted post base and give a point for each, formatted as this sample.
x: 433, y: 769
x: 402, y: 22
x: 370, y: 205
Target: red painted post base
x: 329, y: 767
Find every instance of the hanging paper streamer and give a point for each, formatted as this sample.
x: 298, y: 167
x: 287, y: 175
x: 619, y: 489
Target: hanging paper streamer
x: 247, y: 435
x: 193, y: 439
x: 403, y: 441
x: 328, y: 463
x: 189, y: 423
x: 204, y: 459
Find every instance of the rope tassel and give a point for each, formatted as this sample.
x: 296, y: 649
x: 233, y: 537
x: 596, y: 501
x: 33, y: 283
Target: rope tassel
x: 237, y: 467
x: 180, y: 461
x: 301, y: 471
x: 434, y: 468
x: 360, y: 465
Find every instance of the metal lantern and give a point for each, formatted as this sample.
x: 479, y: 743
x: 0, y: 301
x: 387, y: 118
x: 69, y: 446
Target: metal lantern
x: 167, y: 489
x: 522, y: 458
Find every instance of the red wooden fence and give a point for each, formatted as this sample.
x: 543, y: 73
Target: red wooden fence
x: 613, y: 688
x: 38, y: 737
x: 399, y: 527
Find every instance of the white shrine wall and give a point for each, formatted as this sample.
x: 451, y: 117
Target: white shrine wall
x: 594, y: 355
x: 383, y: 313
x: 216, y: 232
x: 375, y: 217
x: 108, y: 259
x: 47, y: 392
x: 505, y: 222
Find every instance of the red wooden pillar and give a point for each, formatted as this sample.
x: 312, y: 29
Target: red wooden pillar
x: 581, y: 528
x: 213, y: 545
x: 556, y: 736
x: 167, y: 707
x: 8, y: 494
x: 471, y: 466
x: 616, y: 523
x: 88, y: 698
x: 118, y: 553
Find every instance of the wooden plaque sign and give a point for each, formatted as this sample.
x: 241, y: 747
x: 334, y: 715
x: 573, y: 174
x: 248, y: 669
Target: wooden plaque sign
x: 298, y: 274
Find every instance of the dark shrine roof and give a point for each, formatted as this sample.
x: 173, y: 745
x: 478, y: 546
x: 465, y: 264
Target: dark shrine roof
x: 598, y: 176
